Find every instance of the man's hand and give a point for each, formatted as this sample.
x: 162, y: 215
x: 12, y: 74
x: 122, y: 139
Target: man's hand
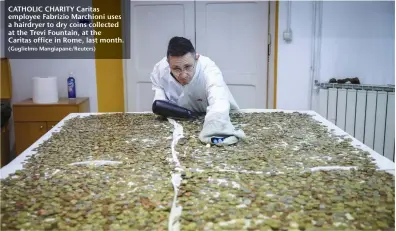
x: 216, y: 127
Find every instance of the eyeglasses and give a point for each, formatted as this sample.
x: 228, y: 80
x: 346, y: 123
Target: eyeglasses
x: 188, y: 69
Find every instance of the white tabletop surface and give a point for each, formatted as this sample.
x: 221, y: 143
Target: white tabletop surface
x: 382, y: 162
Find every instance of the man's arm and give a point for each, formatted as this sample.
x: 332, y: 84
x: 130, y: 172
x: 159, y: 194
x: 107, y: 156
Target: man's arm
x: 159, y: 93
x: 217, y: 122
x: 217, y: 92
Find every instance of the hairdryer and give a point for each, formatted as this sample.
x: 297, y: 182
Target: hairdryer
x: 167, y: 109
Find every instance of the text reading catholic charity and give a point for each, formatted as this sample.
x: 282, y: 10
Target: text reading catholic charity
x: 58, y: 28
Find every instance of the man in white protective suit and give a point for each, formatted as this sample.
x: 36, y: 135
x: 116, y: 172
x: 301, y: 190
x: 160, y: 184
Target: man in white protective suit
x: 195, y: 82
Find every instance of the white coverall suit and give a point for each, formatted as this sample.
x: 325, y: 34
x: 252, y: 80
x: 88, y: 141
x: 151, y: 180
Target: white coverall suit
x: 207, y: 92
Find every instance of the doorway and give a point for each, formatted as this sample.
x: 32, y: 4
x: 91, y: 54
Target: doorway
x: 233, y: 34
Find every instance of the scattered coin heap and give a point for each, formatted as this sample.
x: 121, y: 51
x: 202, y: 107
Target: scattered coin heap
x: 49, y: 193
x: 270, y: 181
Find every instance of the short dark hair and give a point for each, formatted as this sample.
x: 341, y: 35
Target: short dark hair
x: 179, y: 46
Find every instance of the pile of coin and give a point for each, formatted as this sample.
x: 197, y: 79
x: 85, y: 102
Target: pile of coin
x: 57, y: 189
x: 113, y: 172
x: 291, y: 173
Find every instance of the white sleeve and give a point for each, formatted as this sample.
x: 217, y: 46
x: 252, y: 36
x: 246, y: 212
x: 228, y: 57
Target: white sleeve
x: 217, y: 92
x: 217, y: 120
x: 159, y: 93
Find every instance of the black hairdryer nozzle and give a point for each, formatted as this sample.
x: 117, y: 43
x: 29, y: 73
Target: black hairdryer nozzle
x: 167, y: 109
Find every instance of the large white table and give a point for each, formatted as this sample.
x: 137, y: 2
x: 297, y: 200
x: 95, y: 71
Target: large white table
x: 382, y: 162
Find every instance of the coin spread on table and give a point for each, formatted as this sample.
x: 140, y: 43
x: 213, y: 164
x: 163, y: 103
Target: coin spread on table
x: 113, y: 172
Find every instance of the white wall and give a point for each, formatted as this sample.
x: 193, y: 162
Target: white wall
x: 1, y: 27
x: 294, y: 58
x: 84, y: 70
x: 357, y: 40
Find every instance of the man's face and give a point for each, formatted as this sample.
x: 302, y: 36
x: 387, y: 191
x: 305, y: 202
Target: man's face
x: 183, y: 67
